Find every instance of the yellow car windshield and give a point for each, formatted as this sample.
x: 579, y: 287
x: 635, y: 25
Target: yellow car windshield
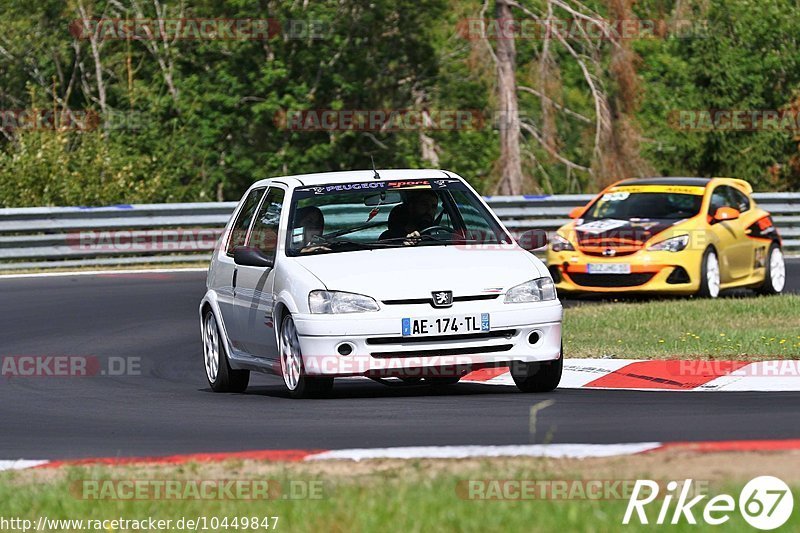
x: 624, y: 204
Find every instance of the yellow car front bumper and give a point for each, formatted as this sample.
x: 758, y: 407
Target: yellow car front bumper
x: 650, y: 272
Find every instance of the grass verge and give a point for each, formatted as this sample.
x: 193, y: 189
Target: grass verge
x: 420, y: 495
x: 748, y: 328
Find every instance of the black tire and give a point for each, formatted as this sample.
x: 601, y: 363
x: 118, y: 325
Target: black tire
x: 305, y: 387
x: 538, y: 377
x: 225, y: 379
x: 769, y: 286
x: 706, y: 289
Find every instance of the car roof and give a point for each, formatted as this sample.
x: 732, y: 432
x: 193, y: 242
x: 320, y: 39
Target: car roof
x: 740, y: 184
x: 321, y: 178
x: 696, y: 182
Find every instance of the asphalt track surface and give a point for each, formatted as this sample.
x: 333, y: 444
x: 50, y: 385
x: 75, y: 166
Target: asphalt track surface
x: 169, y: 408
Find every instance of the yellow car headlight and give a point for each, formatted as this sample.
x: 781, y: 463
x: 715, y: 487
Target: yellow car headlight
x: 674, y: 244
x: 560, y: 244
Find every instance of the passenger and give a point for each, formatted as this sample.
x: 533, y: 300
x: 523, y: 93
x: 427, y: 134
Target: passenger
x: 311, y: 219
x: 398, y: 220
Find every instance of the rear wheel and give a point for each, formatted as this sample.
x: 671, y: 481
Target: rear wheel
x: 709, y: 275
x: 538, y: 377
x: 297, y: 382
x: 775, y: 275
x: 221, y: 377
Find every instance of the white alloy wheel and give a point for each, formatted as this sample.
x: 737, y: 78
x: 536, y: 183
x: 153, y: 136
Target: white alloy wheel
x: 211, y: 347
x: 291, y: 356
x: 712, y: 274
x: 777, y: 269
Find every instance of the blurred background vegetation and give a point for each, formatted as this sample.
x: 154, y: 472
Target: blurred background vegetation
x: 199, y: 120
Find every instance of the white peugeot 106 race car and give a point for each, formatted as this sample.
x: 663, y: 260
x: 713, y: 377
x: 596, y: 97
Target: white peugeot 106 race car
x: 391, y: 273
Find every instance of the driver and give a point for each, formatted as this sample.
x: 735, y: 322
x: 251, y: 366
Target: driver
x: 312, y: 221
x: 420, y: 208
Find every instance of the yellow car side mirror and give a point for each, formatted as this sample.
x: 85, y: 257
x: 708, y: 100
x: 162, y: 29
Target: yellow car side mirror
x: 726, y: 213
x: 576, y: 212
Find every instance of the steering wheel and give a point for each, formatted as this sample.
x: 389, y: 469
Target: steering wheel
x: 431, y: 230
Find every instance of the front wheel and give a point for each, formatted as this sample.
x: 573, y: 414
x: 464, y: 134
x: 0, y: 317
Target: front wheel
x: 538, y: 377
x: 297, y: 382
x: 710, y: 277
x: 775, y: 274
x: 221, y: 377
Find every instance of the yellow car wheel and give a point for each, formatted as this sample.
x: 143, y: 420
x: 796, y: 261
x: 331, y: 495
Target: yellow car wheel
x: 775, y: 272
x: 710, y: 277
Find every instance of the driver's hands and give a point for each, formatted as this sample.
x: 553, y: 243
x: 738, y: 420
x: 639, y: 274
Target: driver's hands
x: 314, y: 248
x: 412, y: 238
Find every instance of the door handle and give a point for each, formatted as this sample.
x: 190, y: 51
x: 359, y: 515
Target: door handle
x: 235, y: 273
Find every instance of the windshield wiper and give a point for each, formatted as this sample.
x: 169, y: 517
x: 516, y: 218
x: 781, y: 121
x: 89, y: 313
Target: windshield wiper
x: 457, y: 240
x: 346, y: 242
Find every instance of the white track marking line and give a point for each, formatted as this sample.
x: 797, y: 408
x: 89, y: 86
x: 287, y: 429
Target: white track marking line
x: 460, y: 452
x: 20, y: 464
x: 103, y: 272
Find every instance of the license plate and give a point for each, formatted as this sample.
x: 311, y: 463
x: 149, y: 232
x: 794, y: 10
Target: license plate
x: 608, y: 268
x: 448, y: 325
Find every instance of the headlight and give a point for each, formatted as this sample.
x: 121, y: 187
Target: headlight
x: 334, y: 302
x: 535, y: 290
x: 560, y: 244
x: 675, y: 244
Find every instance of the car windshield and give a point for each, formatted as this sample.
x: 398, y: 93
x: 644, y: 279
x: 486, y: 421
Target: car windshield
x: 341, y: 217
x: 665, y: 202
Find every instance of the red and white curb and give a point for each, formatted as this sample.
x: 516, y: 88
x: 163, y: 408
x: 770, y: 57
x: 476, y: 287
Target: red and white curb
x: 559, y: 451
x: 671, y: 375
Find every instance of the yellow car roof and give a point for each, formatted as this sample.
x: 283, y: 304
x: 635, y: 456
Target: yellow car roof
x: 688, y: 182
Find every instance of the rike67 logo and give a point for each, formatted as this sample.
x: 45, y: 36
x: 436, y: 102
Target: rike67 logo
x: 765, y: 503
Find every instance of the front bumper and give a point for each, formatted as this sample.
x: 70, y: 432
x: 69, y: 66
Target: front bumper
x: 379, y: 349
x: 651, y: 272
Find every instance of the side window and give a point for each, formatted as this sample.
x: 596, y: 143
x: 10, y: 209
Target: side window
x: 265, y: 228
x: 242, y: 223
x: 719, y: 198
x: 740, y: 200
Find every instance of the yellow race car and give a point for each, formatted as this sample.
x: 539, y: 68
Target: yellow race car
x: 669, y: 235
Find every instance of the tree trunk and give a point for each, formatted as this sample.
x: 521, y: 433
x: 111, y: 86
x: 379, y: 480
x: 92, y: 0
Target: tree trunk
x: 429, y: 152
x: 510, y: 160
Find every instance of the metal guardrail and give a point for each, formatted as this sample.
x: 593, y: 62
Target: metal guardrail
x: 49, y: 237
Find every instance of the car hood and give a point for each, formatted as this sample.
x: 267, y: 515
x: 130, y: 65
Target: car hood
x: 609, y: 229
x: 401, y: 273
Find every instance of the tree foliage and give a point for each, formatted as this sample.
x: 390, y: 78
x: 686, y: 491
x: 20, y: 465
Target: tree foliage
x: 195, y: 119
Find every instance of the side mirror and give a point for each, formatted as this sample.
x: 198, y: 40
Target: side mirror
x: 576, y: 212
x: 248, y: 256
x: 533, y: 239
x: 726, y: 213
